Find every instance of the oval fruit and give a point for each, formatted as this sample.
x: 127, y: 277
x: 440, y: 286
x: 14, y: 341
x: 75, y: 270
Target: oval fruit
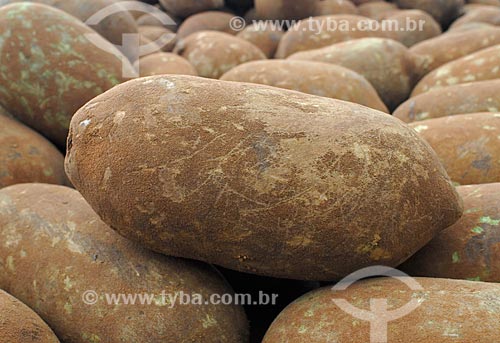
x: 480, y: 66
x: 59, y: 258
x: 112, y: 27
x: 236, y: 172
x: 49, y: 68
x: 206, y: 21
x: 393, y: 70
x: 469, y: 249
x: 468, y: 145
x: 454, y: 45
x: 213, y: 53
x: 471, y: 97
x: 25, y: 156
x: 323, y: 31
x: 447, y: 309
x: 309, y: 77
x: 162, y: 63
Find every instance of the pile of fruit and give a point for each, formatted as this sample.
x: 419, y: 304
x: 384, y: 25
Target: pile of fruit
x: 209, y: 149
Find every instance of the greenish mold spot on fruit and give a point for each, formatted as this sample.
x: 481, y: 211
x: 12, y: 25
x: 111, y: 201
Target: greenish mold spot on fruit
x: 477, y: 278
x: 489, y: 220
x: 91, y: 338
x: 10, y: 263
x: 455, y: 258
x: 477, y: 230
x: 68, y: 308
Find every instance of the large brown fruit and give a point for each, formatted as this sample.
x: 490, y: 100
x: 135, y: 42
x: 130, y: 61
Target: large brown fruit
x: 112, y: 27
x: 323, y: 31
x: 19, y: 324
x: 472, y: 97
x: 315, y: 78
x: 482, y: 65
x: 393, y: 70
x: 468, y: 145
x: 213, y: 53
x: 469, y: 249
x: 235, y: 173
x: 49, y: 68
x: 454, y: 45
x: 450, y: 311
x: 60, y: 259
x: 25, y: 156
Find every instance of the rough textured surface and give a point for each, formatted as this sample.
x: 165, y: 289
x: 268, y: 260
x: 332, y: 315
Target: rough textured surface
x: 235, y: 173
x: 315, y: 78
x: 470, y: 249
x: 444, y: 11
x: 472, y: 97
x: 450, y: 311
x: 53, y: 248
x: 468, y: 145
x: 307, y: 34
x: 49, y: 69
x: 480, y: 66
x: 185, y: 8
x: 25, y: 156
x: 206, y: 21
x: 454, y: 45
x: 165, y: 63
x: 112, y: 27
x: 391, y: 69
x: 266, y: 39
x: 213, y: 53
x: 19, y: 324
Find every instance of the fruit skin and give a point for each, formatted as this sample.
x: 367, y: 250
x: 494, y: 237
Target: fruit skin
x: 213, y: 53
x: 112, y: 27
x: 393, y: 70
x: 307, y: 34
x: 469, y: 249
x: 482, y: 65
x: 206, y: 21
x: 454, y: 45
x: 235, y: 173
x: 447, y: 308
x: 471, y: 97
x: 25, y: 156
x: 49, y: 68
x: 54, y: 248
x: 19, y: 324
x: 315, y: 78
x: 468, y: 145
x: 161, y: 63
